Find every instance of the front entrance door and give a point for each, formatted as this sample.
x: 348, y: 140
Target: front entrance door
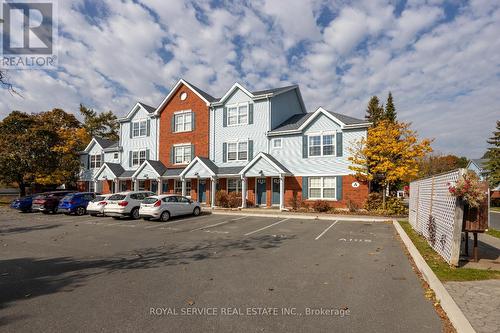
x: 276, y: 191
x: 261, y: 191
x: 154, y: 186
x: 202, y: 198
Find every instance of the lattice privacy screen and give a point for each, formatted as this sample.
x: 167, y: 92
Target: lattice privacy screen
x: 430, y: 197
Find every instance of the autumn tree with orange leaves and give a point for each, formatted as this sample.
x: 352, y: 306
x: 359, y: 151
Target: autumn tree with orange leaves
x: 391, y: 153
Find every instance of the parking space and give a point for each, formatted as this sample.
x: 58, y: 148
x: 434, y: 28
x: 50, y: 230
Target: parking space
x: 118, y: 270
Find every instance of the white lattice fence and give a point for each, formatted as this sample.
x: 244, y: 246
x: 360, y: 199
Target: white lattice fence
x: 430, y: 198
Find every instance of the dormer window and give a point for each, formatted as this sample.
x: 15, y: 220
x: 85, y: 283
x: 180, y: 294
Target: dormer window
x: 237, y: 114
x: 139, y: 128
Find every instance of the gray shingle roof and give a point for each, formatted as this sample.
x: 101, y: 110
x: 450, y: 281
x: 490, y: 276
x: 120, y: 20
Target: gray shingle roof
x: 116, y: 168
x: 205, y: 95
x: 234, y: 170
x: 105, y: 143
x: 172, y: 172
x: 127, y: 174
x: 480, y: 162
x: 148, y: 108
x: 159, y: 167
x: 295, y: 121
x: 274, y: 90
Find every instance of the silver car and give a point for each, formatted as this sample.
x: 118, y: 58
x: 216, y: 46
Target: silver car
x: 125, y: 204
x: 96, y: 206
x: 163, y: 207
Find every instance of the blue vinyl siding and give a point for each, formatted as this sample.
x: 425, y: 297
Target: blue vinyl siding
x: 284, y: 106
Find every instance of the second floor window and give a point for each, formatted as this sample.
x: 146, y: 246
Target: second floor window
x: 95, y: 161
x: 237, y: 151
x: 139, y: 128
x: 237, y: 115
x: 183, y: 121
x: 182, y: 154
x: 138, y: 157
x: 321, y: 145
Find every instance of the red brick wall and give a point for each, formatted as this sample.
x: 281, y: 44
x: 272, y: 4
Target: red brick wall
x: 251, y: 191
x: 106, y: 186
x: 198, y: 137
x: 82, y: 186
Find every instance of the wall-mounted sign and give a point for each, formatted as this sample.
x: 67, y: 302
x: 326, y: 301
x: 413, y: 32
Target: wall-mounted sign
x: 355, y: 184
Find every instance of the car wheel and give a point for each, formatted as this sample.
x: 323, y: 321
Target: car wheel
x: 45, y: 211
x: 116, y: 217
x: 146, y: 218
x: 80, y: 211
x: 94, y: 215
x: 134, y: 213
x: 196, y: 211
x: 54, y: 211
x: 165, y: 216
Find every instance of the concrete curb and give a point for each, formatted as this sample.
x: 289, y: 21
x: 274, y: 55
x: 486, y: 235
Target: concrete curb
x: 456, y: 316
x: 304, y: 217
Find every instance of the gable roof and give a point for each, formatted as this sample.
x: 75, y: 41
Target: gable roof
x: 202, y: 94
x: 259, y: 93
x: 157, y: 166
x: 134, y: 109
x: 274, y: 162
x: 297, y: 122
x: 274, y: 91
x: 103, y: 143
x: 146, y: 107
x: 115, y: 168
x: 479, y: 162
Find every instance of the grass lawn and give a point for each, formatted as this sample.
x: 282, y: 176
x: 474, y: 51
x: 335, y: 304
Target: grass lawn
x: 440, y: 267
x: 493, y: 232
x: 495, y: 209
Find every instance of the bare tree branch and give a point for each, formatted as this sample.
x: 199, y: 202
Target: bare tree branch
x: 4, y: 83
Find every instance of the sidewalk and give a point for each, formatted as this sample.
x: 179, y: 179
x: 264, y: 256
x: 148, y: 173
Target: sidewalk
x: 269, y: 212
x: 489, y: 253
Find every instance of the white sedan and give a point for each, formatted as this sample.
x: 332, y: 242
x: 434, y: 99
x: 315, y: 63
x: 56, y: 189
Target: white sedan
x: 163, y: 207
x: 96, y: 206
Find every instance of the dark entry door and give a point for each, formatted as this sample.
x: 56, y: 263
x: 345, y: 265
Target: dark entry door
x: 202, y: 188
x: 276, y: 191
x: 261, y: 191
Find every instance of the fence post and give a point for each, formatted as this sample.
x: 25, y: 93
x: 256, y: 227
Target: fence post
x: 457, y: 228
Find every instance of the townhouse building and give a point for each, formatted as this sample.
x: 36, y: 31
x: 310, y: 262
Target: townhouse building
x: 263, y: 145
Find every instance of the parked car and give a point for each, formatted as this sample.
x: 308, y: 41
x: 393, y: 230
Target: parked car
x: 96, y: 206
x: 23, y: 204
x: 163, y: 207
x: 48, y: 202
x: 125, y: 204
x: 76, y: 203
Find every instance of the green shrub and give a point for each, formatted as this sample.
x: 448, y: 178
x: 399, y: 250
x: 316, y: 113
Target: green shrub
x: 321, y: 206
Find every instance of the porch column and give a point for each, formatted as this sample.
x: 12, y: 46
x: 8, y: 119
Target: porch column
x: 159, y: 186
x: 183, y: 186
x: 136, y: 184
x: 213, y: 184
x: 282, y: 192
x: 96, y: 183
x: 243, y: 192
x: 117, y: 185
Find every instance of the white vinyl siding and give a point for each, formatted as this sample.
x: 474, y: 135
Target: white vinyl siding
x: 322, y: 188
x: 182, y: 154
x: 183, y: 121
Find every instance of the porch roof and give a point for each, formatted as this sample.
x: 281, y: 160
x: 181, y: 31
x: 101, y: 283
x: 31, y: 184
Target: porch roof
x: 265, y: 165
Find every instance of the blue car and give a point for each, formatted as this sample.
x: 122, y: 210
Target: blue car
x: 76, y: 203
x: 23, y: 204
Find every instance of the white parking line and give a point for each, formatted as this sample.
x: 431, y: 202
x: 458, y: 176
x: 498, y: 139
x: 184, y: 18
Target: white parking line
x: 324, y: 231
x: 220, y: 223
x: 264, y: 228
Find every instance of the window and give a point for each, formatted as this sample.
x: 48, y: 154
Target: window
x: 115, y: 156
x: 234, y: 185
x: 237, y: 114
x: 237, y: 151
x: 178, y: 187
x: 322, y: 188
x: 182, y: 154
x: 322, y: 145
x: 123, y: 185
x: 277, y: 143
x: 95, y: 161
x: 139, y: 128
x: 138, y: 157
x: 142, y: 185
x: 183, y: 121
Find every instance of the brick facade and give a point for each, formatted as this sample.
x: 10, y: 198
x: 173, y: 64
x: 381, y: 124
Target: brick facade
x: 198, y: 137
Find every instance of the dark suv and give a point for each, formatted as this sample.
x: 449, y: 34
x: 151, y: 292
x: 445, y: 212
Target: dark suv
x: 48, y: 202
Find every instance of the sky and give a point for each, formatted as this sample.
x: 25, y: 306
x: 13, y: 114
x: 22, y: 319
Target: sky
x: 440, y: 59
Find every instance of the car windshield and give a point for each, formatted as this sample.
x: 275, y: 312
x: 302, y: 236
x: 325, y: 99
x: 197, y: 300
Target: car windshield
x: 99, y: 198
x: 117, y: 197
x: 150, y: 200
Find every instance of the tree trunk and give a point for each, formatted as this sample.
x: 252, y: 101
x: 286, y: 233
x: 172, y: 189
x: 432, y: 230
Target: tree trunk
x: 22, y: 188
x: 385, y: 189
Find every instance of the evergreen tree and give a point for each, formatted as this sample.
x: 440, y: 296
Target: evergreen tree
x: 390, y: 109
x: 374, y: 111
x: 493, y: 164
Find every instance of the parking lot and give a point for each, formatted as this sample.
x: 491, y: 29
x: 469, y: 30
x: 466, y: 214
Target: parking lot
x: 213, y: 273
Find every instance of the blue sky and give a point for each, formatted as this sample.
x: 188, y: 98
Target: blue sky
x: 439, y: 58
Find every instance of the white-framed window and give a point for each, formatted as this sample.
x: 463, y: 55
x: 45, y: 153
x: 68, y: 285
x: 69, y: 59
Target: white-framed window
x: 138, y: 157
x: 183, y: 121
x: 178, y: 187
x: 322, y: 188
x: 277, y: 143
x: 95, y: 161
x: 237, y: 151
x: 234, y: 185
x: 237, y: 114
x: 182, y: 154
x: 322, y: 144
x: 139, y: 128
x: 115, y: 156
x: 142, y: 185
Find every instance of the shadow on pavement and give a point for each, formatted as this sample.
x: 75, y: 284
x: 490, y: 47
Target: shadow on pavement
x: 19, y: 230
